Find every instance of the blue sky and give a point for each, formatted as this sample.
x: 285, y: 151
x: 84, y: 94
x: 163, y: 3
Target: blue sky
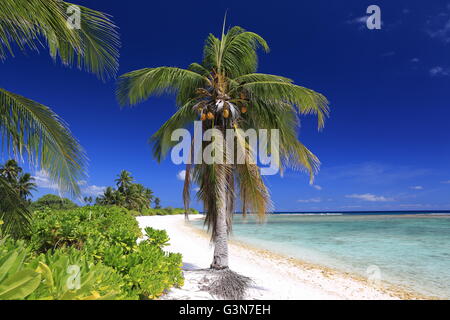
x: 386, y: 145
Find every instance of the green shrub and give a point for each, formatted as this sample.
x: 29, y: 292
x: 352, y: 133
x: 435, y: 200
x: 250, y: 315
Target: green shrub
x: 17, y: 281
x: 102, y: 241
x: 51, y: 201
x: 65, y: 274
x: 159, y: 238
x: 165, y: 211
x: 69, y: 274
x: 152, y: 270
x: 52, y: 229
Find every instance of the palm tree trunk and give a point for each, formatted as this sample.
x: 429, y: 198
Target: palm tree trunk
x: 220, y: 260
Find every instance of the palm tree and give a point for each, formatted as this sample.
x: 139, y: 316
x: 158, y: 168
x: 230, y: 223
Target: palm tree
x: 21, y: 183
x: 30, y: 127
x: 88, y: 200
x: 25, y: 184
x: 157, y: 203
x: 109, y: 197
x: 225, y: 92
x: 124, y: 180
x: 10, y: 171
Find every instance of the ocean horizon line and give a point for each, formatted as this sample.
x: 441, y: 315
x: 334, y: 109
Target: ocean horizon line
x: 362, y: 212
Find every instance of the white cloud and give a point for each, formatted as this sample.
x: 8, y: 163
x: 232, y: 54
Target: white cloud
x: 181, y: 175
x: 313, y: 200
x: 358, y: 20
x: 196, y: 189
x: 369, y: 197
x: 416, y: 206
x: 317, y: 187
x: 416, y: 188
x: 438, y: 26
x: 439, y: 71
x: 42, y: 180
x: 93, y: 190
x: 374, y: 174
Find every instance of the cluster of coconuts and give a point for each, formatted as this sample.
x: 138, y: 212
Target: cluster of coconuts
x: 225, y: 107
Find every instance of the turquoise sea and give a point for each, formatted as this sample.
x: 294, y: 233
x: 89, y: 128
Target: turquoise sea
x: 410, y: 250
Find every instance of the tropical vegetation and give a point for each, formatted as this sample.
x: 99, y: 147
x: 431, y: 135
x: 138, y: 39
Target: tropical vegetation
x: 31, y: 130
x: 15, y: 190
x: 87, y: 253
x: 52, y: 201
x: 130, y: 195
x: 22, y: 183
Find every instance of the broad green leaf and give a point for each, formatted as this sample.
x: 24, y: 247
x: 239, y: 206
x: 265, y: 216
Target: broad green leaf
x: 20, y: 285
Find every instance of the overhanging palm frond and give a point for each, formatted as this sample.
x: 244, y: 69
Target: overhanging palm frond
x: 29, y: 127
x: 100, y: 44
x: 22, y: 22
x: 30, y: 23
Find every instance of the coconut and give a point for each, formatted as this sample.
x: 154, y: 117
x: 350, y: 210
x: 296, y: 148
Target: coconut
x: 244, y: 109
x: 226, y: 113
x: 203, y: 117
x: 210, y: 116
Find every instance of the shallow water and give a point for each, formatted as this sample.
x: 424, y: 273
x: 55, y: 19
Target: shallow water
x: 410, y: 251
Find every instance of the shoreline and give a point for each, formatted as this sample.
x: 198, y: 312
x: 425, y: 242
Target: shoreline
x: 276, y: 276
x: 385, y: 287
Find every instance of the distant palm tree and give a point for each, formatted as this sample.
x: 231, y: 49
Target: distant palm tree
x: 133, y: 196
x: 124, y: 181
x: 225, y: 92
x: 157, y: 203
x: 30, y: 127
x: 10, y: 171
x: 109, y: 197
x: 88, y: 200
x: 15, y: 188
x: 25, y: 184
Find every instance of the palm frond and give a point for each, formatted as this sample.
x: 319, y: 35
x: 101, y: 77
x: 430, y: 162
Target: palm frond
x: 282, y: 116
x: 306, y: 100
x: 13, y: 212
x: 139, y: 85
x: 258, y: 77
x: 235, y: 53
x: 31, y: 23
x: 161, y: 140
x: 32, y: 128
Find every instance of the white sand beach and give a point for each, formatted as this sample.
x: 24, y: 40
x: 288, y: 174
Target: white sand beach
x: 275, y: 277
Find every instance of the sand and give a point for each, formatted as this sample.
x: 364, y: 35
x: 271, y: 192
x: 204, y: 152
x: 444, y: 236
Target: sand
x: 275, y: 277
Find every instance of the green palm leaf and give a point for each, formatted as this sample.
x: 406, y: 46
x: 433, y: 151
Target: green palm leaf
x: 30, y: 23
x: 139, y: 85
x: 27, y: 126
x: 13, y: 212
